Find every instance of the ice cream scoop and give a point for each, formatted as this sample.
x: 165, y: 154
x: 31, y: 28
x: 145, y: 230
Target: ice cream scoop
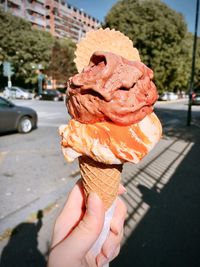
x: 110, y: 143
x: 111, y: 88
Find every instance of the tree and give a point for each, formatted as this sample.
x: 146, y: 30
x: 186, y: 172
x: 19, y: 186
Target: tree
x: 161, y: 36
x: 197, y: 65
x: 61, y: 66
x: 24, y: 47
x: 27, y: 48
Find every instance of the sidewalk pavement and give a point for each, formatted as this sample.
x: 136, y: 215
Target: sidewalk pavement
x: 163, y: 200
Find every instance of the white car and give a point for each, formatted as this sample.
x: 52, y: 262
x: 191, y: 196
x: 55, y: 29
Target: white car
x: 17, y: 92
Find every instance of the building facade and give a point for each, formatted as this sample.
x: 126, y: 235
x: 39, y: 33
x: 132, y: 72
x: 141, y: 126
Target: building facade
x: 58, y: 17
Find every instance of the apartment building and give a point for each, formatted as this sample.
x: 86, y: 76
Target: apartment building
x: 58, y: 17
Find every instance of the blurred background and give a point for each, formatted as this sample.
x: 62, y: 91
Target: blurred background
x: 37, y: 43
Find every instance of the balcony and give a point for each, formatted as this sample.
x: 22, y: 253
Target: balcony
x: 41, y: 1
x: 36, y: 8
x: 16, y: 2
x: 16, y: 12
x: 36, y: 20
x: 35, y: 1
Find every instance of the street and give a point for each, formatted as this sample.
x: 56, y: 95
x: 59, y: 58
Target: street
x: 32, y: 165
x: 34, y: 174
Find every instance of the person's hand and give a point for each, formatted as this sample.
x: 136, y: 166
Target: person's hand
x: 78, y: 227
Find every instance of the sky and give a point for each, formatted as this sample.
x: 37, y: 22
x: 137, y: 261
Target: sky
x: 99, y: 9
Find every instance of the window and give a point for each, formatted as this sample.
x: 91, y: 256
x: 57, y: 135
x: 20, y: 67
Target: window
x: 3, y: 103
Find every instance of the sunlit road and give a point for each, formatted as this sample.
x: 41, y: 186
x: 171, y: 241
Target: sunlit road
x: 50, y: 114
x: 32, y: 168
x: 173, y: 113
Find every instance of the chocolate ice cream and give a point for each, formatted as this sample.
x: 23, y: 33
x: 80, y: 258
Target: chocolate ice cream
x: 111, y: 88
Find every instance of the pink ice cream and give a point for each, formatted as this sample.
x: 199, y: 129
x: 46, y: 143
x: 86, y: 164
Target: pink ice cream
x: 111, y: 88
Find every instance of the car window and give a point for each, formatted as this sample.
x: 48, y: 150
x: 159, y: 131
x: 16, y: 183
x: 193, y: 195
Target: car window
x: 21, y: 89
x: 51, y: 92
x: 4, y: 103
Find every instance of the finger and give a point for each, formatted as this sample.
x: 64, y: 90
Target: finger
x: 112, y: 242
x: 89, y: 228
x: 116, y: 253
x: 119, y: 216
x: 70, y: 215
x: 115, y: 235
x: 74, y: 202
x: 102, y: 259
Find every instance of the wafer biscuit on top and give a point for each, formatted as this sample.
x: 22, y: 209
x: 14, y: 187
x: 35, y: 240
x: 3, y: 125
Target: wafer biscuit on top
x: 104, y: 40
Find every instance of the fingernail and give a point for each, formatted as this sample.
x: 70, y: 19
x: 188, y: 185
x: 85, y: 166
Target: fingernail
x: 93, y: 203
x: 124, y: 190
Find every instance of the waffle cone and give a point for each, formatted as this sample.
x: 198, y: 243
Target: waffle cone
x: 104, y: 40
x: 100, y: 178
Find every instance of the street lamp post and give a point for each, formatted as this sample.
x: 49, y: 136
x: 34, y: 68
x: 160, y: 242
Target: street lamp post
x: 189, y: 114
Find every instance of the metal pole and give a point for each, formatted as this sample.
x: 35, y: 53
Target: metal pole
x: 6, y: 6
x: 189, y: 114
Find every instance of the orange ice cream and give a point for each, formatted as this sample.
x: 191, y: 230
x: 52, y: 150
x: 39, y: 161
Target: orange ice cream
x: 110, y: 143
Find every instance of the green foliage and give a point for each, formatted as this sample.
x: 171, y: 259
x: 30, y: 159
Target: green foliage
x: 26, y: 48
x: 61, y: 66
x: 197, y: 65
x: 161, y: 36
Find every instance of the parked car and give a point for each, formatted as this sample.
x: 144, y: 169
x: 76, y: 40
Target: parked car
x: 13, y: 117
x: 196, y: 96
x: 17, y: 92
x: 168, y: 96
x: 51, y: 94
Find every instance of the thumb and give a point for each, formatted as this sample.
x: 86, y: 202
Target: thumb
x: 86, y: 233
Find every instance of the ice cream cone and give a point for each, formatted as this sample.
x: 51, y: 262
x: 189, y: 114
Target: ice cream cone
x: 100, y: 178
x: 105, y: 143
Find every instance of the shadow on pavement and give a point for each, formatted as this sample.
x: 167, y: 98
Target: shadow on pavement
x: 22, y: 248
x: 168, y: 232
